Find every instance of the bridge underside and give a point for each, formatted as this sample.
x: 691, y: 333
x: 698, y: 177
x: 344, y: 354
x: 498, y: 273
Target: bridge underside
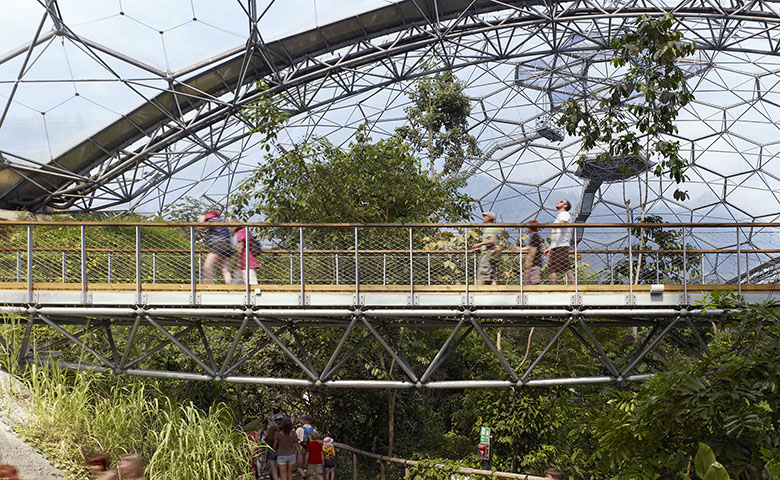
x: 118, y: 328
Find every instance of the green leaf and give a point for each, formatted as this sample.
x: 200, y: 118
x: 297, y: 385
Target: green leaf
x: 716, y: 472
x: 703, y: 460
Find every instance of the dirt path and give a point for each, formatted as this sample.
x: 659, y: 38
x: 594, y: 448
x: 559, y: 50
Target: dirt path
x: 13, y: 451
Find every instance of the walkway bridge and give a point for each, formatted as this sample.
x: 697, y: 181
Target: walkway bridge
x: 121, y: 296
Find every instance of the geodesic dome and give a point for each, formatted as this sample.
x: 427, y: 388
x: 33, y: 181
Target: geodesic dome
x: 128, y: 105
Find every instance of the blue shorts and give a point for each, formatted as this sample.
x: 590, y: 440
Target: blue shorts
x: 271, y: 455
x: 329, y: 463
x: 286, y: 459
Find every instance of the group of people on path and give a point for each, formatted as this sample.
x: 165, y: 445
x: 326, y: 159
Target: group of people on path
x: 223, y: 245
x: 284, y: 450
x: 558, y: 251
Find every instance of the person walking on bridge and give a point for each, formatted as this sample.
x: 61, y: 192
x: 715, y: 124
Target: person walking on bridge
x: 559, y: 245
x: 487, y: 268
x: 220, y: 248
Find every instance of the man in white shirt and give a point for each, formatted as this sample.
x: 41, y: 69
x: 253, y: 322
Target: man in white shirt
x: 559, y: 245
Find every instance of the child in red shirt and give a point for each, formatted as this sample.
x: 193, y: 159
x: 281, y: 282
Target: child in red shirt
x: 313, y: 461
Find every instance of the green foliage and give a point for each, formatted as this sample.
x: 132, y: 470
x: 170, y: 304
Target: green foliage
x: 438, y: 118
x: 264, y: 116
x: 367, y: 182
x: 730, y: 401
x: 75, y: 415
x: 187, y: 209
x: 438, y: 469
x: 636, y: 117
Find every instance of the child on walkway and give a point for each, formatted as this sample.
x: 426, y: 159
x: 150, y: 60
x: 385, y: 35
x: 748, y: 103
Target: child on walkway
x: 329, y: 458
x: 313, y: 461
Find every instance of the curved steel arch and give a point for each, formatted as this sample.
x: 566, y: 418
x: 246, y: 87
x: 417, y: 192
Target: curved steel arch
x: 86, y: 176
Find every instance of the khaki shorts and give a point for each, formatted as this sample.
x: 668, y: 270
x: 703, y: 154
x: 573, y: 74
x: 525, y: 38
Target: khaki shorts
x: 487, y: 266
x: 532, y: 276
x: 559, y: 260
x: 314, y: 469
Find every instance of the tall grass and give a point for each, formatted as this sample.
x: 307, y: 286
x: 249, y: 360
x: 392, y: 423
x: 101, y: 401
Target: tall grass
x: 77, y: 414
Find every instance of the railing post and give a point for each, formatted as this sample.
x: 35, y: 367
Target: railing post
x: 411, y: 268
x: 611, y: 270
x: 384, y: 269
x: 576, y: 269
x: 138, y: 265
x: 685, y: 266
x: 357, y: 270
x: 18, y: 266
x: 657, y: 268
x: 64, y: 267
x: 337, y: 268
x: 154, y: 267
x: 303, y: 287
x: 30, y: 264
x: 83, y: 230
x: 466, y: 262
x: 429, y: 269
x: 246, y: 264
x: 354, y: 466
x: 522, y: 280
x: 109, y: 274
x: 192, y: 267
x: 292, y: 269
x: 630, y: 268
x: 739, y: 269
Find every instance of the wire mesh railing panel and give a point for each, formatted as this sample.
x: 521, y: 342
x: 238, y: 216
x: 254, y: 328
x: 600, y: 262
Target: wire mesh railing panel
x: 760, y: 255
x: 597, y: 253
x: 385, y: 255
x: 13, y: 253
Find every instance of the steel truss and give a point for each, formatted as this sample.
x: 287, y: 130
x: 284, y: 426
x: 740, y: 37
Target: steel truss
x: 188, y: 331
x: 325, y: 75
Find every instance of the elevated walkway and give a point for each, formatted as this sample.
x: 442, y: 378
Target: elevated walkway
x: 127, y: 293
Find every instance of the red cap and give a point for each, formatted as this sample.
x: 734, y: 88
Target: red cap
x: 210, y: 214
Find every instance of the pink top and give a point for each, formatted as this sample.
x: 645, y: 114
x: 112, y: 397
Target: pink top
x: 242, y: 255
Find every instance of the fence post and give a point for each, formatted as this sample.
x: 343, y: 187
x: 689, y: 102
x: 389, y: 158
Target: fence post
x: 466, y: 262
x: 18, y: 266
x: 110, y: 266
x: 357, y: 270
x: 576, y: 269
x: 65, y: 267
x: 411, y: 268
x: 429, y: 269
x: 522, y: 281
x: 685, y: 266
x: 658, y: 268
x: 337, y: 268
x: 303, y: 288
x: 192, y: 267
x: 30, y: 264
x: 138, y: 265
x: 246, y: 263
x: 83, y: 264
x: 739, y: 269
x: 154, y: 267
x: 354, y: 467
x: 630, y: 269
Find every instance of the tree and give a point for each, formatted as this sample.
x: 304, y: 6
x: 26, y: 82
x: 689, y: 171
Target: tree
x: 636, y: 119
x: 365, y: 183
x: 438, y: 121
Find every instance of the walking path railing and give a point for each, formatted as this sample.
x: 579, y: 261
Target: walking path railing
x: 82, y: 255
x: 407, y: 464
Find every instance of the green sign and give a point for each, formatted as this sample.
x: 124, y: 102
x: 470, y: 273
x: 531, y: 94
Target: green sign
x: 484, y: 435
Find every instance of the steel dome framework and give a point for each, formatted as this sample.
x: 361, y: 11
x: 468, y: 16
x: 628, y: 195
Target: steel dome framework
x: 518, y: 61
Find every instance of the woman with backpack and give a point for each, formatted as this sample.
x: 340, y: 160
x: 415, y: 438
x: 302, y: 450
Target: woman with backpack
x: 288, y: 451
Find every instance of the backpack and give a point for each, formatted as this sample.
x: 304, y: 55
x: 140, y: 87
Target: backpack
x: 255, y: 248
x: 307, y: 431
